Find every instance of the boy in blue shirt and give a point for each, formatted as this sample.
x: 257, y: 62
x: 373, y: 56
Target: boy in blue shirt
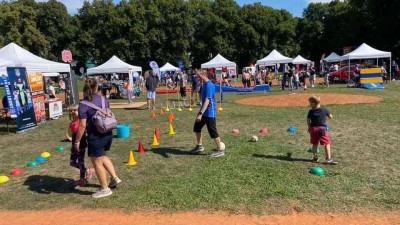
x: 207, y: 116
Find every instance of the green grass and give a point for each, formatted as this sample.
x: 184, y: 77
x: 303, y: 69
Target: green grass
x: 250, y: 178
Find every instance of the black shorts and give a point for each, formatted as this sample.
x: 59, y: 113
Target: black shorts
x: 98, y: 145
x: 211, y: 126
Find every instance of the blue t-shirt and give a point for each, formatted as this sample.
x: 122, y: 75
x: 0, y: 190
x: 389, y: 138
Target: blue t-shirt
x: 86, y: 112
x: 318, y: 116
x: 195, y: 80
x: 208, y: 91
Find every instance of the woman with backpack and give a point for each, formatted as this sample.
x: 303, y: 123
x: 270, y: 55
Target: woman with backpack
x: 98, y: 142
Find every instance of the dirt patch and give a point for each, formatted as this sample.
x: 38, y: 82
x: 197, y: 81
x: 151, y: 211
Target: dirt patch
x: 100, y: 217
x: 301, y: 99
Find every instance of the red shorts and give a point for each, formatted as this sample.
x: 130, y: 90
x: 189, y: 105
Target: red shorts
x: 319, y: 134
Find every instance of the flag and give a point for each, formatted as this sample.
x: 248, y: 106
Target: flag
x: 276, y: 69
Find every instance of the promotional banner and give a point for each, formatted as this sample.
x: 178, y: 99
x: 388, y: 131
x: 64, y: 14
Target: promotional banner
x: 55, y: 109
x: 181, y: 65
x: 35, y: 80
x: 155, y: 68
x: 20, y: 98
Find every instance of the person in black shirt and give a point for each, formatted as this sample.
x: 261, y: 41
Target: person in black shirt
x: 316, y: 121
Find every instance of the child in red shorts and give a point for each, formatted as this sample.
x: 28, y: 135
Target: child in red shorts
x: 316, y: 121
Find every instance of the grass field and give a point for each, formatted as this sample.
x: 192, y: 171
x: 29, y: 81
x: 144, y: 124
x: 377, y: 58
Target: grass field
x: 250, y: 178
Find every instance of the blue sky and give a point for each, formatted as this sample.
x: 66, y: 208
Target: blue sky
x: 293, y: 6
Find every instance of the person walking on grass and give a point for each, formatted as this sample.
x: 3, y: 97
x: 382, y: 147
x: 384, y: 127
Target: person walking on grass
x: 207, y: 116
x: 77, y: 158
x: 316, y: 121
x: 98, y: 144
x: 151, y: 85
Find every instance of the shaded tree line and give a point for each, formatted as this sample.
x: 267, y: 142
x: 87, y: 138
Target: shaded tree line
x: 139, y: 31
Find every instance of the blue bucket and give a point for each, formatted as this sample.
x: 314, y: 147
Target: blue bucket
x: 123, y: 130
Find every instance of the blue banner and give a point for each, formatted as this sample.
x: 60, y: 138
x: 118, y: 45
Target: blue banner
x: 19, y: 98
x: 181, y: 65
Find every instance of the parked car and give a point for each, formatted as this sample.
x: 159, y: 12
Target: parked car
x: 342, y: 74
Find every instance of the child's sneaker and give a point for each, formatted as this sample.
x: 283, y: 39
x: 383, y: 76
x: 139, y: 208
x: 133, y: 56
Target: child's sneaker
x: 331, y: 162
x: 89, y: 173
x: 81, y: 182
x: 217, y: 153
x: 114, y: 181
x: 197, y: 149
x: 315, y: 160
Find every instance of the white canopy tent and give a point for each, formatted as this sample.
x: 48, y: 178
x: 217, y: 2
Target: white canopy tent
x: 218, y: 61
x: 365, y: 51
x: 333, y: 57
x: 168, y: 67
x: 114, y: 65
x: 300, y: 60
x: 21, y: 57
x: 273, y: 58
x: 4, y: 63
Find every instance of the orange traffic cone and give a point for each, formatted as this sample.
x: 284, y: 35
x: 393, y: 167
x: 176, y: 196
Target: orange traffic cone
x: 157, y: 133
x: 131, y: 159
x: 155, y: 141
x: 140, y: 147
x: 152, y: 114
x: 172, y: 115
x: 171, y: 130
x: 170, y: 118
x: 161, y: 111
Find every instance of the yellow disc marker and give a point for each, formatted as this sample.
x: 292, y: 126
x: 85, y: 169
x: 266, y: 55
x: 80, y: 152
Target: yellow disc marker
x: 45, y: 154
x: 3, y: 179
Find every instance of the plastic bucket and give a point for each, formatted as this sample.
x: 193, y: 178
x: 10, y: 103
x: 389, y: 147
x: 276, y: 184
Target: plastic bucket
x: 123, y: 130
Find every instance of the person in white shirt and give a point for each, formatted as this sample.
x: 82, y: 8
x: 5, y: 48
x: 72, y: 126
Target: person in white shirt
x: 52, y: 91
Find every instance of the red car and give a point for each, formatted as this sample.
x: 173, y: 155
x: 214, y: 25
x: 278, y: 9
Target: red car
x: 342, y: 74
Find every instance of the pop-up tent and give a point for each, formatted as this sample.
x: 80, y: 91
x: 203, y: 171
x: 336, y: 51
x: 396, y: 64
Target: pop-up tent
x: 4, y: 63
x: 365, y: 51
x: 23, y: 58
x: 333, y: 57
x: 168, y: 67
x: 300, y: 60
x: 218, y: 61
x: 114, y: 65
x: 273, y: 58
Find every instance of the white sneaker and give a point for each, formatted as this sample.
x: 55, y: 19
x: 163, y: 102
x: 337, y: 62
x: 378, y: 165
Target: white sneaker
x: 102, y: 193
x: 114, y: 182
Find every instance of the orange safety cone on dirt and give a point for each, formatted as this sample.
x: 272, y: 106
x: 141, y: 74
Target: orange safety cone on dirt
x: 140, y: 147
x: 161, y: 112
x: 170, y: 118
x: 152, y: 114
x: 131, y: 159
x: 157, y: 133
x: 172, y: 115
x: 155, y: 141
x: 171, y: 130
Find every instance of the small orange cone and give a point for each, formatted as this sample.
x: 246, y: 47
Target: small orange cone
x: 131, y: 159
x: 140, y: 147
x: 152, y: 114
x: 155, y: 141
x: 172, y: 115
x: 170, y: 118
x: 161, y: 112
x: 157, y: 133
x: 171, y: 130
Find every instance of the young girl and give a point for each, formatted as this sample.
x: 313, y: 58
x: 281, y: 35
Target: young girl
x: 77, y: 158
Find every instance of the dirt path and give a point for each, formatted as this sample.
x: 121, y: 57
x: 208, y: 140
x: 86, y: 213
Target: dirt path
x: 301, y: 99
x: 103, y: 217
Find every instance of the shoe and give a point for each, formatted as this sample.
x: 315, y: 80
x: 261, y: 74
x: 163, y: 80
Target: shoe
x: 197, y: 149
x: 89, y: 173
x: 102, y: 193
x: 81, y: 183
x: 154, y: 108
x: 114, y: 181
x: 217, y: 153
x: 315, y: 160
x: 331, y: 162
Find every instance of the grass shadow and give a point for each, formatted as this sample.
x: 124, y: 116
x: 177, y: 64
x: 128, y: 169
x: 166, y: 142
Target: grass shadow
x: 287, y: 157
x: 165, y: 151
x: 11, y: 129
x: 47, y: 185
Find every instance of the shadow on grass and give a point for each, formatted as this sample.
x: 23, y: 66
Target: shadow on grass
x: 287, y: 157
x: 165, y: 151
x: 11, y: 129
x: 47, y: 185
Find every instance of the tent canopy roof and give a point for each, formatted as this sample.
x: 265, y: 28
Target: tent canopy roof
x: 333, y: 57
x: 21, y: 57
x: 113, y: 65
x: 218, y: 61
x: 300, y: 60
x: 273, y: 58
x: 168, y: 67
x: 365, y: 51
